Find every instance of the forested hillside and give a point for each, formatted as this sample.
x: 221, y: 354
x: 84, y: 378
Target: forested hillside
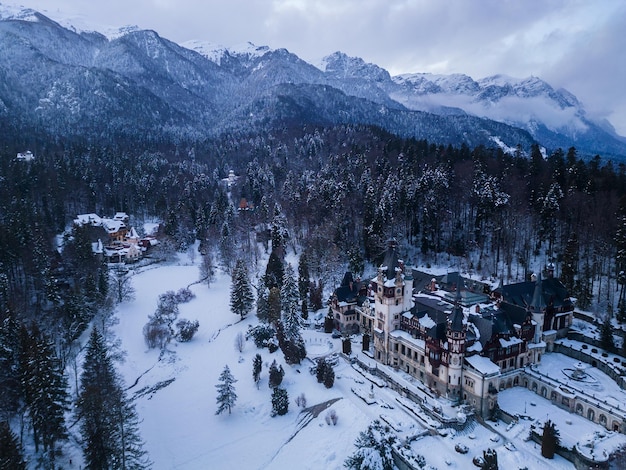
x: 337, y: 192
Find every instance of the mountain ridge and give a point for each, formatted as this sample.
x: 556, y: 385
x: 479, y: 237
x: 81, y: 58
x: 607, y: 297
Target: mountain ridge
x: 68, y: 75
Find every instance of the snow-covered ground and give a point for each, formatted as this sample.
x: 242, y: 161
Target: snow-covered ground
x: 176, y: 395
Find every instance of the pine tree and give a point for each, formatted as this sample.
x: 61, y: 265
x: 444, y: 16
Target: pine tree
x: 289, y: 296
x: 274, y: 271
x: 606, y: 335
x: 329, y: 377
x: 109, y: 423
x: 257, y: 364
x: 11, y: 456
x: 274, y: 305
x: 550, y: 440
x: 9, y: 365
x: 226, y: 396
x: 373, y: 449
x: 241, y: 297
x: 304, y: 280
x: 276, y: 374
x: 262, y: 304
x: 45, y: 390
x: 569, y: 269
x: 280, y: 401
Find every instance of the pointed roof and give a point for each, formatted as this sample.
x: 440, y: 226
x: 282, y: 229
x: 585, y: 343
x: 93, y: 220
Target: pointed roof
x: 538, y: 303
x: 391, y: 260
x: 456, y: 319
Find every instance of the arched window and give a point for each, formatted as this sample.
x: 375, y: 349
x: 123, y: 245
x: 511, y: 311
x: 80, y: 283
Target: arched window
x: 590, y: 414
x: 579, y: 409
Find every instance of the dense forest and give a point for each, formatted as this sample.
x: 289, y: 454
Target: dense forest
x: 338, y: 193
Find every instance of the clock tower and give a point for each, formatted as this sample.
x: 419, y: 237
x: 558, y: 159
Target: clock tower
x: 455, y: 335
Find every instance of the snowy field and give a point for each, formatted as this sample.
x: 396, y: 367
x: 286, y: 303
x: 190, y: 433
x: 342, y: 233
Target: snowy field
x: 176, y: 395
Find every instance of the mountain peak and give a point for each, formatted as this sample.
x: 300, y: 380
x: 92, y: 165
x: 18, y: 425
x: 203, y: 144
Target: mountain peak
x: 340, y: 65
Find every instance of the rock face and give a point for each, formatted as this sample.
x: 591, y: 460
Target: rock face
x: 59, y: 81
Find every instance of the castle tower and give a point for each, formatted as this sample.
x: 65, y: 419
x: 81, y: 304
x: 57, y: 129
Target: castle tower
x: 456, y: 334
x: 538, y: 309
x: 393, y: 295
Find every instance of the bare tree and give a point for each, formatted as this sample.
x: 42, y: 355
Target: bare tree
x: 240, y: 342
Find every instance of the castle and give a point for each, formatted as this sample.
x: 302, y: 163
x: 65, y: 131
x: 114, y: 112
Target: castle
x: 459, y: 340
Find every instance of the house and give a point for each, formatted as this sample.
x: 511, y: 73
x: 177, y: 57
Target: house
x: 25, y: 157
x: 121, y: 243
x: 350, y: 305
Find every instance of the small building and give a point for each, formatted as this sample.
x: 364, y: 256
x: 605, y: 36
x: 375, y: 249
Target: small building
x: 25, y: 157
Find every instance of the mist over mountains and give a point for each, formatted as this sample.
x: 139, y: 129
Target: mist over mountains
x: 63, y: 83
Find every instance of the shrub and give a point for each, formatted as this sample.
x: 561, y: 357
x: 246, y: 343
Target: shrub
x: 261, y: 335
x: 184, y: 295
x: 156, y: 334
x: 301, y: 401
x: 186, y: 329
x: 332, y: 418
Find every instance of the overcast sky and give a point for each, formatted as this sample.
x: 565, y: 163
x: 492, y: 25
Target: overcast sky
x: 579, y: 45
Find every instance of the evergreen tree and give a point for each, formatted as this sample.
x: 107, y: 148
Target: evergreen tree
x: 278, y: 232
x: 226, y: 247
x: 304, y: 278
x: 276, y: 374
x: 320, y: 369
x: 280, y: 401
x: 291, y: 318
x: 274, y: 305
x: 329, y: 377
x: 241, y: 296
x: 569, y: 269
x: 257, y: 364
x: 262, y: 304
x: 9, y: 365
x: 11, y: 456
x: 373, y: 449
x: 274, y: 271
x: 226, y: 396
x: 620, y: 258
x: 45, y: 390
x: 109, y: 423
x: 550, y: 440
x: 207, y: 267
x: 606, y: 335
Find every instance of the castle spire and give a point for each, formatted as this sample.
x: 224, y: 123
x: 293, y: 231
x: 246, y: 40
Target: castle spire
x: 456, y: 320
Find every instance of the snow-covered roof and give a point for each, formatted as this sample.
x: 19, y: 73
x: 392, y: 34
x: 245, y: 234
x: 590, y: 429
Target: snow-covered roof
x: 427, y: 322
x: 112, y: 226
x: 92, y: 219
x: 483, y: 365
x: 390, y: 283
x: 510, y: 342
x: 419, y: 343
x: 132, y: 233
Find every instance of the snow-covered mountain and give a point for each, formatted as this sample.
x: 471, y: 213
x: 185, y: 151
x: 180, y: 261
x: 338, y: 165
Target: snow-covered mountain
x: 71, y: 81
